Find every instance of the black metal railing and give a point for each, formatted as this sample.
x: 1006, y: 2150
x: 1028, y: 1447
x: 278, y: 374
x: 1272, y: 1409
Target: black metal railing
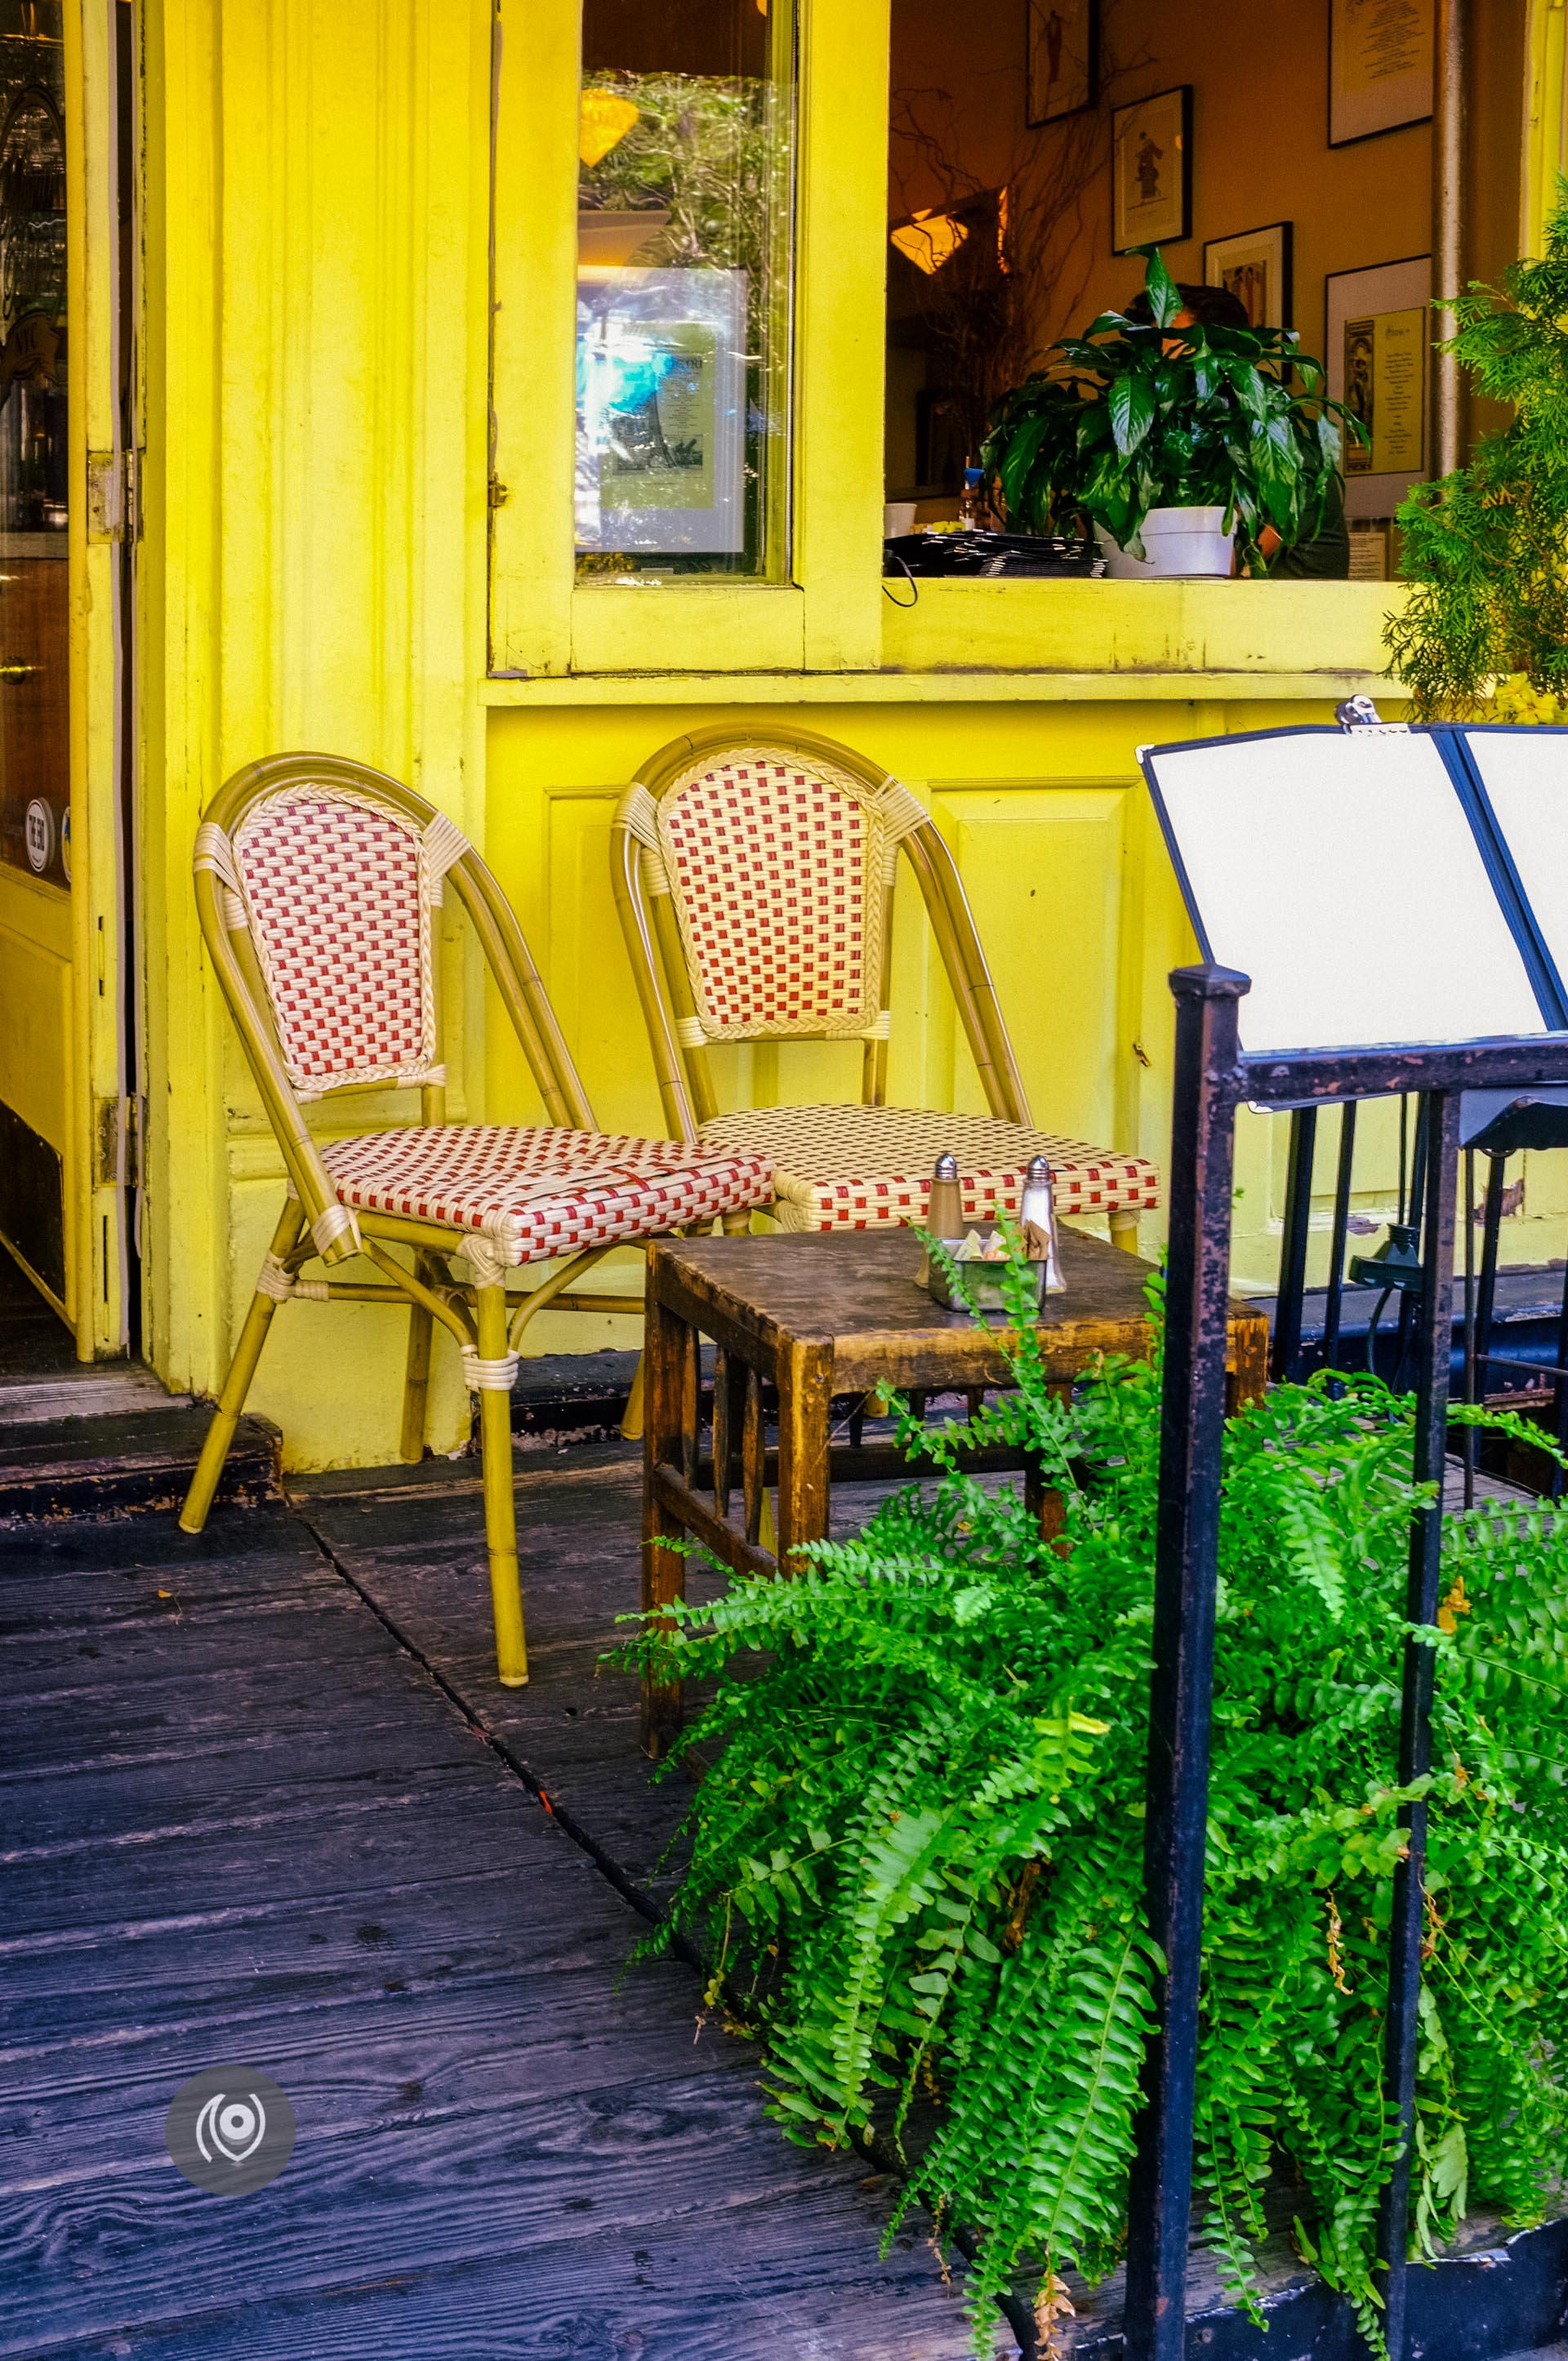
x: 1212, y: 1080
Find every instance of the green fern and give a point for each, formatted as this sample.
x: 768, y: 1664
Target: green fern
x: 917, y: 1854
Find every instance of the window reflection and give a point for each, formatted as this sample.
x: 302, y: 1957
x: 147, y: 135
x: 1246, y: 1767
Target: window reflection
x: 35, y: 792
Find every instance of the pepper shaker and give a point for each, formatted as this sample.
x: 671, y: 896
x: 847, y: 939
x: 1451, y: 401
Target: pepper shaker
x: 945, y: 1211
x: 945, y: 1215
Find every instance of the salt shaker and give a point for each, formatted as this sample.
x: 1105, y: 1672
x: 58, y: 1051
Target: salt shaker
x: 1038, y: 1220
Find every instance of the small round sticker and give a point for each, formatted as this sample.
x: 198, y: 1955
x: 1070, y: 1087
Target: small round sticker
x: 230, y: 2130
x: 37, y: 833
x: 65, y: 846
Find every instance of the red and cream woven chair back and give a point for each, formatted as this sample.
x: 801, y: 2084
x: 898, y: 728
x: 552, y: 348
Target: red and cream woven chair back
x: 779, y: 864
x: 754, y: 881
x: 338, y: 890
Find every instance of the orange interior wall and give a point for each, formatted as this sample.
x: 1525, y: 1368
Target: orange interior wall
x: 1259, y: 78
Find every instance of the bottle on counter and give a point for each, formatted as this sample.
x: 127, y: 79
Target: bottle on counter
x: 971, y: 501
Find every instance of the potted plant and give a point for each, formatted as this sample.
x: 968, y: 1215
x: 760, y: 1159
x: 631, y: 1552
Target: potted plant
x: 916, y: 1859
x: 1179, y: 445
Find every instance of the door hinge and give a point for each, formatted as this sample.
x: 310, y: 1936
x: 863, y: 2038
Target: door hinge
x: 117, y: 1158
x: 114, y: 495
x: 106, y: 1145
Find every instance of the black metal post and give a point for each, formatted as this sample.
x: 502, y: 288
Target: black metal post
x: 1486, y: 1294
x: 1186, y: 1558
x: 1469, y: 1260
x: 1408, y: 1303
x: 1341, y: 1225
x: 1434, y: 1345
x: 1293, y: 1245
x: 1560, y: 1417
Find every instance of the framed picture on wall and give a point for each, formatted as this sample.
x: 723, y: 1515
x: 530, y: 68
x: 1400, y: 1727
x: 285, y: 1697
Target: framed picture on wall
x: 1255, y: 267
x: 1380, y: 66
x: 1380, y: 335
x: 1152, y: 170
x: 1063, y: 36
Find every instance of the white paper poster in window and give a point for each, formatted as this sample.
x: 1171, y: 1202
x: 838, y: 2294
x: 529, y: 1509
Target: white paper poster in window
x: 661, y: 409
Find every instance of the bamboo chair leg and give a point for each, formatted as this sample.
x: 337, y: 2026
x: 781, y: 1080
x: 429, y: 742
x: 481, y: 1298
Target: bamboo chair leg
x: 416, y: 1382
x: 500, y: 1495
x: 632, y: 1424
x: 1124, y: 1232
x: 236, y: 1385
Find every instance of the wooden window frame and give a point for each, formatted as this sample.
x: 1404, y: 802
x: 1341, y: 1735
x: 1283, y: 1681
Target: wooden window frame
x: 826, y: 616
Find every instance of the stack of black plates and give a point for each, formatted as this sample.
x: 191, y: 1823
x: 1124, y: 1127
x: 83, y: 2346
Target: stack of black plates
x: 1016, y: 556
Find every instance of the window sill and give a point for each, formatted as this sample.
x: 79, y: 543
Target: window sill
x: 975, y: 641
x: 1251, y: 628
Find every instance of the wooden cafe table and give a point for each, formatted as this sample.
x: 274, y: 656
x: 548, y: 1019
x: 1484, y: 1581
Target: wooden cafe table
x: 818, y: 1314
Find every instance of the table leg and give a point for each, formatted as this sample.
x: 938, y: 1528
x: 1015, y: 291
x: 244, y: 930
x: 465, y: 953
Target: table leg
x: 804, y: 1376
x: 665, y: 1360
x: 1043, y: 1500
x: 1248, y: 1378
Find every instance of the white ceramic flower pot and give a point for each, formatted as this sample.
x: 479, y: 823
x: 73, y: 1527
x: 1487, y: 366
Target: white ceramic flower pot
x: 1180, y: 542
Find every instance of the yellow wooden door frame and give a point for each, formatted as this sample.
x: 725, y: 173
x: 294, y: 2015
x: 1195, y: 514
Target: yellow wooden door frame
x: 100, y: 517
x: 1545, y: 117
x: 65, y: 1042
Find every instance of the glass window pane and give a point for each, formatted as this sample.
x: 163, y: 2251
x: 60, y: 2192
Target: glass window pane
x: 686, y: 141
x: 35, y: 761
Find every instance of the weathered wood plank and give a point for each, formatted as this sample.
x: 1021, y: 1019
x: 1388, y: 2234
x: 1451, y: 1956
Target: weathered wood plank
x: 358, y: 2201
x: 42, y: 1600
x: 673, y: 2293
x: 292, y: 1633
x: 793, y: 2278
x: 233, y: 1537
x: 96, y: 1722
x: 289, y: 1856
x: 227, y: 1787
x: 109, y: 1984
x: 470, y: 2049
x: 129, y: 1465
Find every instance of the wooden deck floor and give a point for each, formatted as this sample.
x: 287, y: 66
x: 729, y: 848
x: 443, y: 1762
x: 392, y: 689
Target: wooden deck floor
x: 242, y: 1822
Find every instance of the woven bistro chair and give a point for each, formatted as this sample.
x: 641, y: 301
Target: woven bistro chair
x: 318, y: 883
x: 754, y: 881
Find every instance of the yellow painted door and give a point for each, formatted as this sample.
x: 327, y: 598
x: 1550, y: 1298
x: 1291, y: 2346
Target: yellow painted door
x: 67, y: 177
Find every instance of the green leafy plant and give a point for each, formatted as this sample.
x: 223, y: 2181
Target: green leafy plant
x: 1486, y: 548
x: 916, y: 1859
x: 1130, y: 417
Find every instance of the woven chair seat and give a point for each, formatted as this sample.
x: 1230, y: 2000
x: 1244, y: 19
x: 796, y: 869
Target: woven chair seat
x: 535, y: 1193
x: 854, y: 1167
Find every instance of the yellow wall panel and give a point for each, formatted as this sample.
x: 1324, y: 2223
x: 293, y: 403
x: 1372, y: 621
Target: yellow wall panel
x: 37, y: 1078
x: 1042, y: 867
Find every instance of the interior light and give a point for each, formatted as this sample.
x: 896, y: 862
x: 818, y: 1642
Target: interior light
x: 604, y: 121
x: 930, y: 239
